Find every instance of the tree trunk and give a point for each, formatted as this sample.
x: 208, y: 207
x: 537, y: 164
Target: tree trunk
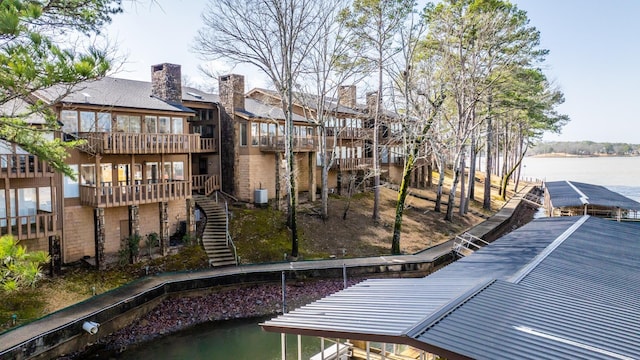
x: 430, y: 171
x: 486, y: 203
x: 402, y: 195
x: 452, y: 192
x: 472, y: 174
x: 438, y: 205
x: 463, y: 197
x: 325, y: 175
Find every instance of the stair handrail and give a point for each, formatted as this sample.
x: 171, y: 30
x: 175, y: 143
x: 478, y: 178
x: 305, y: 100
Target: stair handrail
x: 229, y: 239
x: 467, y: 241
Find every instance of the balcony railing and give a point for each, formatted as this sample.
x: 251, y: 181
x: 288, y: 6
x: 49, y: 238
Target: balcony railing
x: 208, y: 145
x: 131, y: 143
x: 205, y: 183
x: 276, y: 143
x: 29, y: 226
x: 23, y: 166
x: 124, y: 195
x: 353, y: 164
x: 349, y: 132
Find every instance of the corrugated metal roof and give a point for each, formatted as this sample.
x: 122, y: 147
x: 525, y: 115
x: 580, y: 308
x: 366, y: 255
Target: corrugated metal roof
x: 575, y: 295
x: 571, y: 193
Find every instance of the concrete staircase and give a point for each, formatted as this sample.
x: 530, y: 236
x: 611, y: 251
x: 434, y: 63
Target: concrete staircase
x: 214, y: 237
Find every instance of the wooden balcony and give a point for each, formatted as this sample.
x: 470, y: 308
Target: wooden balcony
x: 208, y: 145
x: 349, y: 133
x: 205, y: 183
x: 124, y: 195
x: 352, y: 164
x: 276, y: 143
x: 23, y: 166
x: 29, y: 226
x: 131, y: 143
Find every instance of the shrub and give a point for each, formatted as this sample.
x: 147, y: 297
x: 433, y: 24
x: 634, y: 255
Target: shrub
x: 19, y: 268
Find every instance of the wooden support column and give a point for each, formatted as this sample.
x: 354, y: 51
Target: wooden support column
x: 100, y: 238
x: 163, y: 208
x: 191, y: 218
x: 134, y: 220
x: 312, y: 176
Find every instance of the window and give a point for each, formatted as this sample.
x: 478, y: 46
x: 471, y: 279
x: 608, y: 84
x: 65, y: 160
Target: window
x: 87, y: 121
x: 87, y: 174
x: 243, y: 134
x: 44, y: 199
x: 177, y: 124
x: 27, y: 204
x: 264, y: 140
x: 163, y: 125
x: 151, y: 124
x: 71, y: 188
x: 69, y: 121
x: 254, y: 134
x: 104, y: 122
x: 128, y: 124
x: 178, y: 170
x: 106, y: 174
x: 151, y: 169
x: 166, y: 171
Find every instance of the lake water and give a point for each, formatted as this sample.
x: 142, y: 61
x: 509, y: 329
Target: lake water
x: 245, y: 339
x: 620, y: 174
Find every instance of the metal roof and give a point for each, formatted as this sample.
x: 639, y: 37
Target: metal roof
x: 311, y: 101
x: 557, y: 287
x: 257, y: 109
x: 571, y: 193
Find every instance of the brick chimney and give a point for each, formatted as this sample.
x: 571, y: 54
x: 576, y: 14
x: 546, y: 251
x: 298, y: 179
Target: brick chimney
x: 347, y: 95
x: 231, y: 90
x: 166, y: 82
x: 372, y: 100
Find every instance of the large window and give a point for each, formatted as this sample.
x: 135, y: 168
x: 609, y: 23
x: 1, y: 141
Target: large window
x: 128, y: 124
x: 178, y: 170
x: 243, y: 135
x: 71, y: 187
x: 177, y: 125
x: 69, y: 119
x: 87, y: 121
x: 88, y: 174
x: 151, y: 124
x: 104, y: 122
x: 44, y: 199
x: 254, y: 134
x: 164, y: 127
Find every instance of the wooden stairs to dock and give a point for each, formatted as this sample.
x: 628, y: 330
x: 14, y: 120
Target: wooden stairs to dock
x: 214, y: 237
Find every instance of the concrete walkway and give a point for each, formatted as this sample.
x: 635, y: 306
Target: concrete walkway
x: 73, y: 316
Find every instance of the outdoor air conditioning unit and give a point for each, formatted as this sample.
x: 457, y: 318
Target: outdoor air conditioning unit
x: 260, y: 197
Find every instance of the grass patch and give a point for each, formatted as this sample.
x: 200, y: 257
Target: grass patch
x: 26, y: 305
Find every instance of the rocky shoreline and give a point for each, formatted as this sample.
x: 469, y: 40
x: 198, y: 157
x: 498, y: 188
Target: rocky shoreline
x: 175, y: 314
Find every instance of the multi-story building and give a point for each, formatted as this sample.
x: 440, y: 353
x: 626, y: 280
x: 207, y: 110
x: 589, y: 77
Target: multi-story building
x: 149, y: 145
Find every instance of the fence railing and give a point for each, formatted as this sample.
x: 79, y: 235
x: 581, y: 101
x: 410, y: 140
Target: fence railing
x: 29, y: 226
x: 122, y: 195
x: 208, y: 145
x: 206, y: 183
x: 353, y: 163
x: 131, y: 143
x: 276, y: 143
x: 24, y: 166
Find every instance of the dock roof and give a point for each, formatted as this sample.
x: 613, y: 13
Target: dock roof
x: 558, y: 287
x: 575, y: 194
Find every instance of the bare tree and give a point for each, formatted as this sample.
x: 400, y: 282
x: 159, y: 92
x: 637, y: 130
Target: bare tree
x: 275, y: 36
x: 376, y: 24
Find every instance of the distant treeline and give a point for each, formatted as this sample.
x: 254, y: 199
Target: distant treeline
x: 585, y: 148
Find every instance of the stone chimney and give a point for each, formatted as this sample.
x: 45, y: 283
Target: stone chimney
x: 166, y: 82
x: 231, y: 90
x: 347, y: 95
x: 372, y: 100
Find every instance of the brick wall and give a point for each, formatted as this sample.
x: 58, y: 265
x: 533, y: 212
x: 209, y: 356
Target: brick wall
x: 78, y: 237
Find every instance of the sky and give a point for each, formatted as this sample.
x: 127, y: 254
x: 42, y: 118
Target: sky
x: 594, y: 55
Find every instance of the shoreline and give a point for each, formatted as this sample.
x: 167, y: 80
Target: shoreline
x: 567, y: 155
x: 176, y: 314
